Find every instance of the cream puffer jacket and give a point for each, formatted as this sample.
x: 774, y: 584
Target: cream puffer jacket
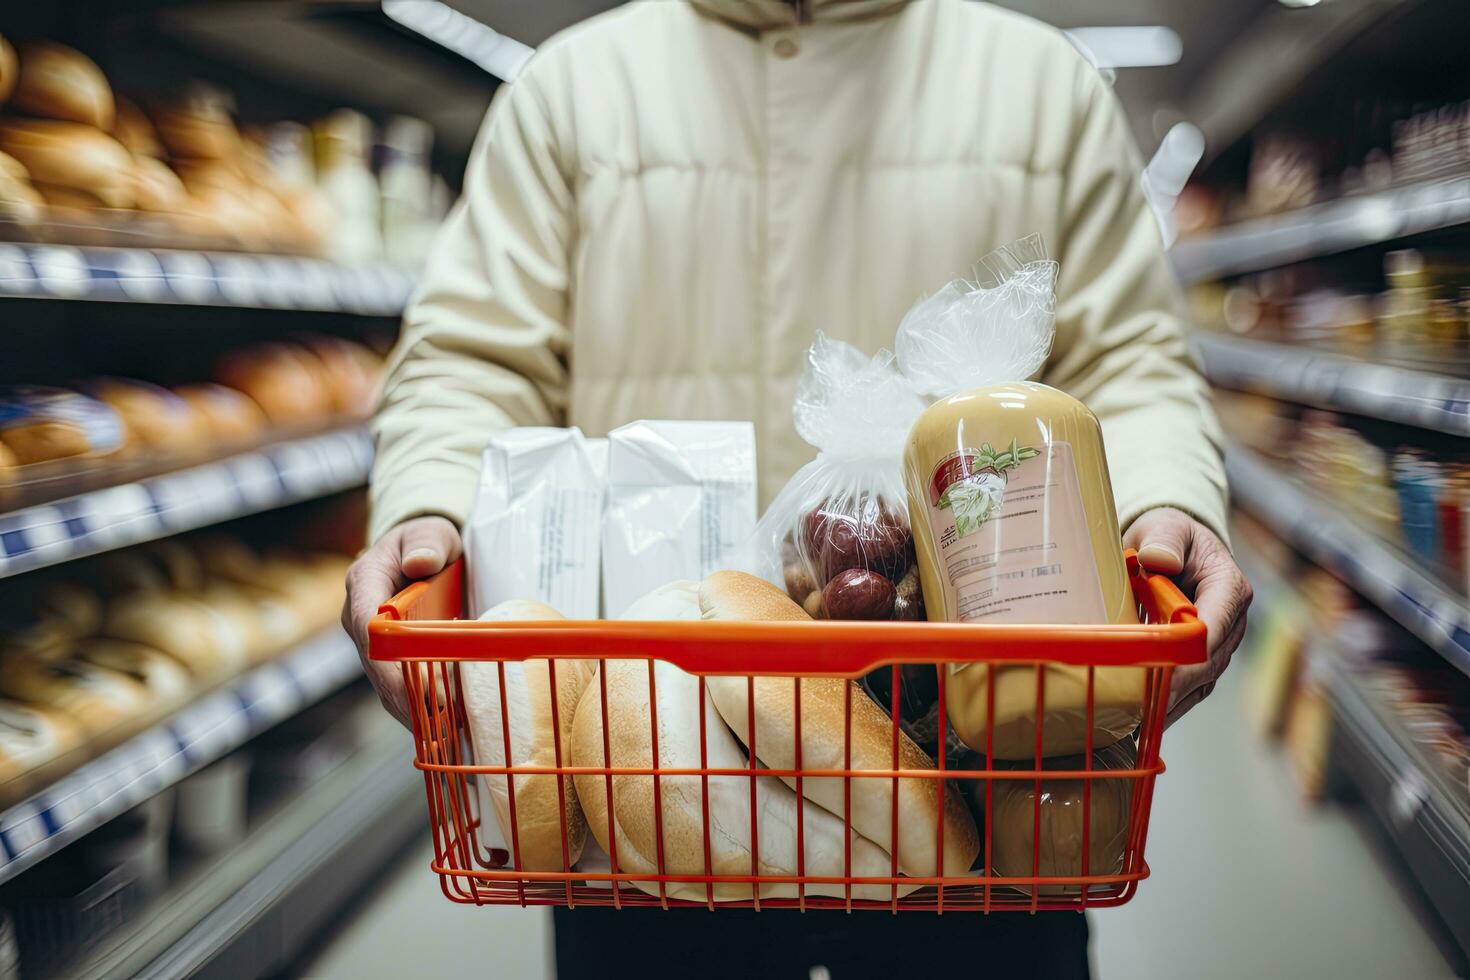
x: 674, y: 196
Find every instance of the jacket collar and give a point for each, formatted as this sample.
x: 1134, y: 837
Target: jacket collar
x: 769, y: 14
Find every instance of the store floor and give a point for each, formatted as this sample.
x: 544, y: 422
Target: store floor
x: 1248, y: 881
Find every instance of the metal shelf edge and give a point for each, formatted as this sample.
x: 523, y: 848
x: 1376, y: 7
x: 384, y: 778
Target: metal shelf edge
x: 1324, y: 229
x: 249, y: 483
x: 188, y: 278
x: 159, y: 757
x: 1403, y: 592
x: 1326, y: 380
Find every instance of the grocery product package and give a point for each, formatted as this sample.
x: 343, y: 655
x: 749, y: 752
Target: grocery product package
x: 681, y: 504
x: 1012, y: 507
x: 1015, y: 815
x: 836, y: 537
x: 534, y: 531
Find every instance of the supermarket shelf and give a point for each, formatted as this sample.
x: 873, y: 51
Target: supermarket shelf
x: 162, y: 756
x: 249, y: 911
x: 1379, y: 572
x: 140, y: 275
x: 1332, y: 381
x: 1324, y: 229
x: 1429, y: 826
x: 115, y: 517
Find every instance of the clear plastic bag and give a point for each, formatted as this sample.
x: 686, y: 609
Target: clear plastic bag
x: 837, y: 535
x: 1013, y: 819
x: 1015, y: 522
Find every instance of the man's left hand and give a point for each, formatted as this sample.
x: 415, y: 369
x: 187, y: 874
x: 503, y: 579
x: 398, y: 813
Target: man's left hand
x: 1171, y: 542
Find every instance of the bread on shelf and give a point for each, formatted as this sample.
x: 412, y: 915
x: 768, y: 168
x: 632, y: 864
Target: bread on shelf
x: 58, y: 82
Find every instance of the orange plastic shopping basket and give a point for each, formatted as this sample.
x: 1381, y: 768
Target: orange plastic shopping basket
x: 419, y: 629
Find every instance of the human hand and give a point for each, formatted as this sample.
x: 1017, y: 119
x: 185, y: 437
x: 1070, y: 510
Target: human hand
x: 413, y: 550
x: 1171, y: 542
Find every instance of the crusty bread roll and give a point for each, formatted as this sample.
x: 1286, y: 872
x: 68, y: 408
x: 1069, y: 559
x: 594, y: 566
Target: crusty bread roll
x: 73, y: 156
x: 680, y: 709
x: 34, y: 742
x: 9, y: 70
x: 200, y: 128
x: 231, y: 417
x: 280, y: 380
x: 736, y: 595
x: 39, y: 425
x: 1013, y: 815
x: 134, y: 130
x: 540, y: 822
x: 58, y: 82
x: 157, y: 419
x: 157, y: 188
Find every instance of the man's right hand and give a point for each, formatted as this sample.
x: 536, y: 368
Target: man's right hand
x: 413, y: 550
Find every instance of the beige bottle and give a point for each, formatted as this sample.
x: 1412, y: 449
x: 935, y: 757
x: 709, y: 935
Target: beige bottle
x: 1012, y: 510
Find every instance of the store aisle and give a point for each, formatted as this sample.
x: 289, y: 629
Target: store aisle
x: 1249, y: 881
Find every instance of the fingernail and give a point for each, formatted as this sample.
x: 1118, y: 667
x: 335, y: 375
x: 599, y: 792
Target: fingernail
x: 1162, y: 551
x: 421, y: 553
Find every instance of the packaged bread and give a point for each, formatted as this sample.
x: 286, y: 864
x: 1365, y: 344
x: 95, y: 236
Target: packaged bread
x: 38, y: 425
x: 1012, y: 507
x: 723, y: 804
x: 281, y: 380
x: 164, y: 677
x: 157, y: 188
x: 58, y: 82
x: 135, y: 131
x: 1014, y: 814
x: 9, y: 69
x: 71, y: 156
x: 230, y: 417
x: 94, y: 697
x: 830, y: 709
x: 35, y: 743
x: 541, y: 822
x: 157, y: 420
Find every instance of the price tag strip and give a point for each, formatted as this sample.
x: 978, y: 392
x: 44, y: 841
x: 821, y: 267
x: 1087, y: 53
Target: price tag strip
x: 192, y: 738
x: 267, y: 282
x: 115, y: 517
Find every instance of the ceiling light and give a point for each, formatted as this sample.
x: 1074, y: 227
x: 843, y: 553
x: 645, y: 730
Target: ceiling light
x: 501, y: 56
x: 1128, y: 47
x: 1299, y: 3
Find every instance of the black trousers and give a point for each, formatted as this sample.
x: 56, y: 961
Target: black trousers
x: 780, y: 943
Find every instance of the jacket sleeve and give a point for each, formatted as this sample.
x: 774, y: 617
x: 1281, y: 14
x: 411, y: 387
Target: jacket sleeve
x: 484, y: 341
x: 1120, y: 344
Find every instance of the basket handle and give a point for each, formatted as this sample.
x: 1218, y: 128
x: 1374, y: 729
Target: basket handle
x: 1159, y: 593
x: 438, y: 597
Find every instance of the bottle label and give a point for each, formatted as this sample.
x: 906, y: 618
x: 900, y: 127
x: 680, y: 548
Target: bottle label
x: 1012, y: 536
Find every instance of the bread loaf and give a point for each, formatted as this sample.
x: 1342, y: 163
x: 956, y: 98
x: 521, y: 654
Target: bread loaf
x: 540, y: 820
x: 9, y: 69
x: 94, y: 697
x: 230, y: 417
x: 682, y: 712
x: 19, y: 199
x: 163, y: 676
x: 38, y: 425
x: 181, y: 626
x: 72, y: 156
x: 824, y: 728
x: 58, y: 82
x: 280, y: 380
x: 199, y: 128
x: 351, y: 372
